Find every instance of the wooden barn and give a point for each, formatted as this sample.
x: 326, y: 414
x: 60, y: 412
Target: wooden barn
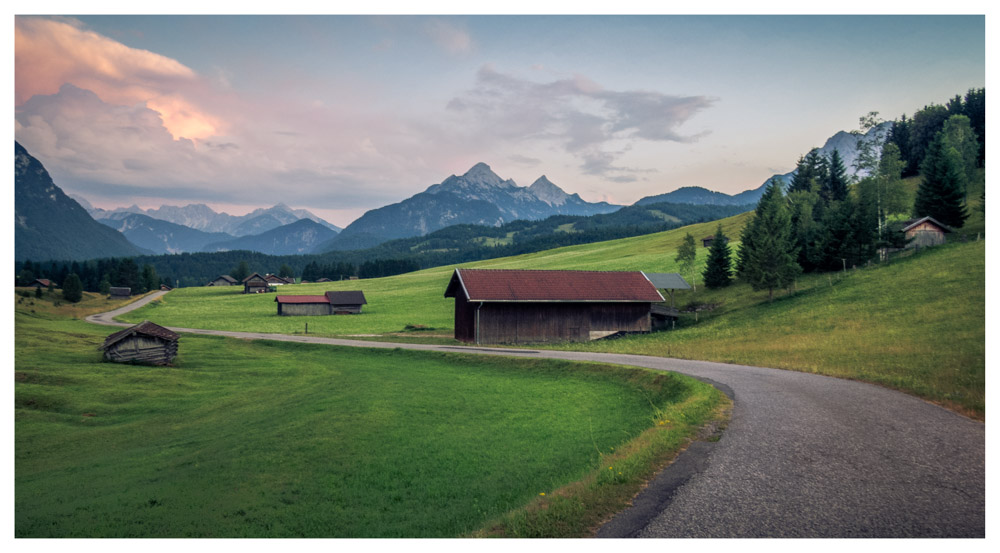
x: 223, y: 280
x: 145, y: 342
x: 924, y: 232
x: 275, y: 280
x: 255, y: 284
x: 524, y: 306
x: 708, y: 240
x: 120, y: 292
x: 331, y: 303
x: 42, y: 283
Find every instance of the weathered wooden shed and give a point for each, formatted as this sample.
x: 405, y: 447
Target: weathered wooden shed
x: 145, y: 342
x: 223, y: 280
x: 276, y: 280
x: 924, y: 232
x: 330, y: 303
x: 42, y: 283
x: 120, y: 291
x: 346, y: 302
x: 524, y: 306
x: 255, y: 284
x: 708, y: 240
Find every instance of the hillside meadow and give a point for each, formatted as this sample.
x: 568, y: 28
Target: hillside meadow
x: 268, y: 439
x: 916, y: 324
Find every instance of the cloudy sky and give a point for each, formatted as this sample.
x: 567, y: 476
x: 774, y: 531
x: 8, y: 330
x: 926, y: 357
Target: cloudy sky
x: 341, y: 114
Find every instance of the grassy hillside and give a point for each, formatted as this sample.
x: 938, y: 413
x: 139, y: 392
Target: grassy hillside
x: 917, y: 324
x: 270, y: 439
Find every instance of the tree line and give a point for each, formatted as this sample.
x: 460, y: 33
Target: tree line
x: 824, y: 220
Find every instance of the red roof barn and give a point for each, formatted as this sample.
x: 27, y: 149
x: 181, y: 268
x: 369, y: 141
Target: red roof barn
x: 523, y: 306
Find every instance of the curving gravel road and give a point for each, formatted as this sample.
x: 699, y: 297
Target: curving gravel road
x: 803, y: 456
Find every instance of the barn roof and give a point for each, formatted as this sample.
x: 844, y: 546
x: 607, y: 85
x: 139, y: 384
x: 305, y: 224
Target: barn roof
x: 227, y: 278
x: 42, y: 281
x: 347, y: 297
x: 668, y: 281
x: 144, y: 328
x: 907, y: 225
x: 275, y: 279
x: 254, y: 275
x: 301, y: 299
x: 504, y: 285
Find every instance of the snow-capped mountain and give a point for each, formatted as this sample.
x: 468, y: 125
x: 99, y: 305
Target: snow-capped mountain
x: 159, y: 236
x: 479, y: 197
x: 203, y: 218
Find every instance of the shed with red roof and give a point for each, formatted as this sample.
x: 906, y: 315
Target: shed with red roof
x: 522, y: 306
x: 331, y: 303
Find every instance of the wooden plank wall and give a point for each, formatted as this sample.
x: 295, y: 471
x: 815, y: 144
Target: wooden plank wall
x: 142, y: 349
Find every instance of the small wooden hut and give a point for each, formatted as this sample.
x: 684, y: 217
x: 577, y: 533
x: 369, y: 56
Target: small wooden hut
x: 120, y: 291
x: 924, y: 232
x: 255, y: 284
x: 145, y: 342
x: 223, y: 280
x: 42, y: 283
x: 332, y: 303
x: 708, y: 240
x: 275, y: 280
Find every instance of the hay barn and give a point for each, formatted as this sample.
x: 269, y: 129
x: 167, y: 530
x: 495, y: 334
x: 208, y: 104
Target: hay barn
x: 925, y: 232
x: 223, y: 280
x: 255, y: 284
x: 145, y: 342
x: 331, y: 303
x: 524, y: 306
x: 120, y: 292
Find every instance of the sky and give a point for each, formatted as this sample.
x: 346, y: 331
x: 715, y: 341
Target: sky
x: 342, y: 114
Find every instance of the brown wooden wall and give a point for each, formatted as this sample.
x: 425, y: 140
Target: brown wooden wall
x: 142, y: 349
x: 511, y: 323
x: 304, y: 309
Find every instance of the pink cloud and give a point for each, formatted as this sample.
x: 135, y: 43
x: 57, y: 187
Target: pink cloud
x: 49, y: 53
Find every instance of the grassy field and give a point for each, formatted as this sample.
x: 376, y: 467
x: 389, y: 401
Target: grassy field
x: 916, y: 324
x: 248, y: 439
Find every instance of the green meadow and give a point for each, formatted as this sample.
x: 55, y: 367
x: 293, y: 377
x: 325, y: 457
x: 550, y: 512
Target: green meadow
x: 270, y: 439
x: 916, y: 324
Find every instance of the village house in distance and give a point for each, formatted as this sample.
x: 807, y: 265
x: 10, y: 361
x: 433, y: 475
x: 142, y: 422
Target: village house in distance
x: 495, y: 306
x: 346, y: 302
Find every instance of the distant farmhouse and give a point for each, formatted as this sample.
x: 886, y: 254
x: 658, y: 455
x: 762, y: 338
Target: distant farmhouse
x: 708, y: 240
x: 924, y: 232
x: 223, y: 280
x: 42, y: 283
x: 255, y: 284
x: 145, y: 342
x: 524, y: 306
x: 276, y: 280
x: 331, y: 303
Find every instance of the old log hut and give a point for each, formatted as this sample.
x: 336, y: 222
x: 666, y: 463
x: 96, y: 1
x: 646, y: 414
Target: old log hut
x: 255, y: 284
x: 331, y: 303
x: 42, y: 283
x: 145, y: 342
x: 120, y: 291
x: 524, y: 306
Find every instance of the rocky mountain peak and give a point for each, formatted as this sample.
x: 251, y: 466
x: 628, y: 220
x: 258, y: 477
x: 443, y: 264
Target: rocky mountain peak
x: 548, y: 192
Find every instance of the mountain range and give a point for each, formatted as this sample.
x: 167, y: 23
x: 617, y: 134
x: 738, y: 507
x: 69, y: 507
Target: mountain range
x: 478, y: 197
x: 203, y: 218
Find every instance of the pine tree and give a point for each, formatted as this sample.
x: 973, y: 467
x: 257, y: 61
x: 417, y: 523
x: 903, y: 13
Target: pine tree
x: 72, y: 288
x: 807, y: 173
x: 241, y: 271
x: 767, y: 253
x: 834, y: 186
x: 940, y: 194
x: 958, y: 134
x: 718, y: 269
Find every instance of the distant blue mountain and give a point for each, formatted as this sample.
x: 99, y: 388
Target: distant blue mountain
x: 300, y: 237
x: 160, y: 236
